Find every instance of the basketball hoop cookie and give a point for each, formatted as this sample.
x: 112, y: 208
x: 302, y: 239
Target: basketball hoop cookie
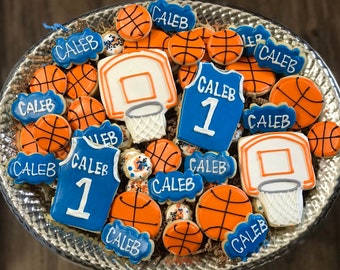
x: 138, y: 87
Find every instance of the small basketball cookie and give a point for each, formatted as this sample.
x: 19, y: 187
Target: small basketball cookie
x: 186, y: 74
x: 46, y: 78
x: 52, y: 132
x: 225, y: 47
x: 178, y: 211
x: 303, y: 95
x: 186, y: 48
x: 137, y: 167
x: 324, y: 139
x: 205, y: 33
x: 26, y: 142
x: 157, y: 39
x: 182, y: 237
x: 85, y: 111
x: 138, y: 210
x: 113, y: 43
x: 133, y: 22
x: 220, y: 209
x: 257, y: 80
x: 165, y: 155
x: 81, y: 81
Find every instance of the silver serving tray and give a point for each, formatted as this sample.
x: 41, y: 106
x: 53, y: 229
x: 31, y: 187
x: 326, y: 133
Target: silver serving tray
x: 30, y: 204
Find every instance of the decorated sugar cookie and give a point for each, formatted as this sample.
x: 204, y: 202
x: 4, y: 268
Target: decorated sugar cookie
x: 26, y: 142
x: 138, y: 87
x: 137, y: 167
x: 225, y: 47
x: 257, y: 80
x: 268, y: 117
x: 88, y: 173
x: 186, y: 48
x: 78, y: 48
x: 138, y: 185
x: 52, y: 132
x: 303, y: 95
x: 186, y: 74
x: 34, y: 168
x: 220, y: 209
x: 127, y: 242
x: 182, y: 237
x: 172, y: 17
x: 324, y: 139
x: 213, y: 167
x: 84, y: 112
x: 113, y: 43
x: 175, y: 186
x: 139, y: 210
x: 247, y: 238
x: 165, y: 155
x: 211, y: 108
x: 28, y: 108
x: 48, y: 77
x: 276, y: 167
x: 178, y: 211
x: 81, y: 81
x: 279, y: 57
x: 133, y: 22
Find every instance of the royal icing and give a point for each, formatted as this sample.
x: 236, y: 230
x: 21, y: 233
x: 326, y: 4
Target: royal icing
x: 26, y: 142
x: 178, y: 211
x: 137, y: 167
x: 33, y: 169
x: 211, y: 108
x: 138, y: 185
x: 213, y: 167
x: 89, y: 172
x: 172, y: 17
x: 77, y: 48
x: 28, y: 108
x: 113, y: 43
x: 175, y: 186
x: 127, y: 242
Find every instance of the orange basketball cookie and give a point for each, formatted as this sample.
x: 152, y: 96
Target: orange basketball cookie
x: 46, y: 78
x: 52, y: 132
x: 220, y: 209
x: 81, y: 81
x: 182, y: 237
x: 133, y: 22
x: 205, y: 33
x: 257, y: 80
x: 303, y: 95
x: 186, y: 48
x: 324, y: 139
x: 137, y: 209
x: 157, y: 39
x: 165, y: 155
x: 85, y: 111
x: 225, y: 47
x: 26, y: 142
x: 186, y: 74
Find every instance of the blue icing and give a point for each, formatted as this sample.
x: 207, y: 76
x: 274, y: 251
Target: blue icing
x: 28, y: 108
x: 127, y: 242
x: 34, y: 168
x: 211, y: 108
x: 214, y: 168
x: 106, y: 134
x: 77, y: 48
x: 172, y: 17
x: 251, y: 36
x: 89, y: 172
x: 175, y: 186
x: 279, y: 57
x: 268, y: 117
x: 247, y: 238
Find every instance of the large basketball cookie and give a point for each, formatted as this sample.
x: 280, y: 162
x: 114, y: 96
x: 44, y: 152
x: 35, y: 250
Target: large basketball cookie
x: 220, y: 209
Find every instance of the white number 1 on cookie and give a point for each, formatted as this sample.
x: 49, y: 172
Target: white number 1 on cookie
x: 212, y: 103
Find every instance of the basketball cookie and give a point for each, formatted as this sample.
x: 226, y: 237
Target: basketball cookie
x: 186, y: 48
x: 49, y: 77
x: 138, y: 210
x: 303, y: 95
x: 225, y: 47
x: 133, y: 22
x: 324, y: 139
x: 186, y: 75
x: 165, y: 155
x: 81, y: 81
x: 205, y: 33
x: 257, y: 81
x: 84, y: 112
x: 26, y: 142
x: 220, y: 209
x: 52, y: 132
x: 182, y: 237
